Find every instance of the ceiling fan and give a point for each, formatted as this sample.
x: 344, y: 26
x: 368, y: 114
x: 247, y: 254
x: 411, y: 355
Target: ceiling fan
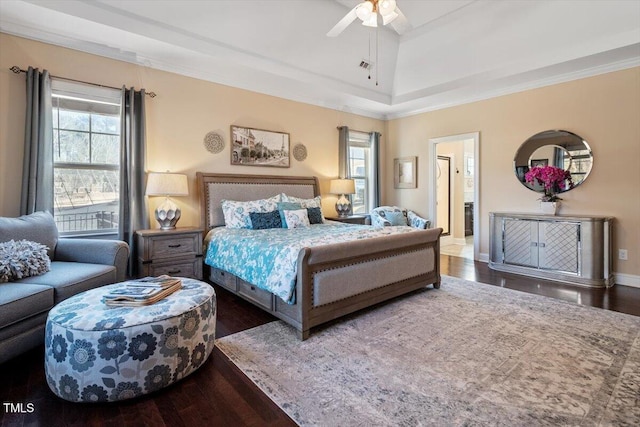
x: 368, y: 11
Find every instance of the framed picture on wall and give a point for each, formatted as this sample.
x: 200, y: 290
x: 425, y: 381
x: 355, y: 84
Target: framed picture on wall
x: 405, y: 172
x: 259, y: 147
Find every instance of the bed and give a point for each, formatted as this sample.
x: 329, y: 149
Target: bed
x: 331, y: 280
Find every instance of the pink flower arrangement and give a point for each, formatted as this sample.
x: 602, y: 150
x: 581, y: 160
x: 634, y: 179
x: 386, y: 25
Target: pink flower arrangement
x: 553, y: 179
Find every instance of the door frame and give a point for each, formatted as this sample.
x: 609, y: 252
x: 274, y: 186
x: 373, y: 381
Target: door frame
x: 433, y: 155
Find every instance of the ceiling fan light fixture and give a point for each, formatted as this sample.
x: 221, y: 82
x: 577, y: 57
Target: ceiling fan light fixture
x: 364, y: 10
x: 371, y: 21
x: 387, y: 7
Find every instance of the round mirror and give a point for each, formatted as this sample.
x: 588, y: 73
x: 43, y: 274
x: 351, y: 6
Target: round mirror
x: 559, y: 148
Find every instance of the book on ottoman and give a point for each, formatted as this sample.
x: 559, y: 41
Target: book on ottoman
x: 142, y: 291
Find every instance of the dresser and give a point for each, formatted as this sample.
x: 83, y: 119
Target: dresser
x: 175, y: 252
x: 565, y: 248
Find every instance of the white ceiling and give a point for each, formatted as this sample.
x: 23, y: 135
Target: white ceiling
x: 456, y: 51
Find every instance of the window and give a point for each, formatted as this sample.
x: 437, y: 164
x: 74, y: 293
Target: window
x: 86, y: 158
x: 363, y: 170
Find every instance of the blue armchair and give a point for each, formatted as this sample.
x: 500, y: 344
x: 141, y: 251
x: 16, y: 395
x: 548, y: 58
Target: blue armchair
x: 385, y: 216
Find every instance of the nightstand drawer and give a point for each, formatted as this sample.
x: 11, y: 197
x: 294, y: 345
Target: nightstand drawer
x: 184, y: 268
x: 255, y: 294
x: 171, y: 246
x: 224, y: 279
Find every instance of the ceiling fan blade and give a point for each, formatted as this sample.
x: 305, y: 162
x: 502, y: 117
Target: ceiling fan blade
x: 401, y: 24
x: 343, y: 23
x: 388, y: 19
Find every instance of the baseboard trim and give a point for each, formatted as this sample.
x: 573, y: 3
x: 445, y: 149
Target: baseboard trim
x: 627, y: 280
x: 618, y: 278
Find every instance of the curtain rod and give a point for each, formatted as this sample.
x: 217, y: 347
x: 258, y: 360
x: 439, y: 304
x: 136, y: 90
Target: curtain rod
x: 356, y: 130
x: 18, y: 70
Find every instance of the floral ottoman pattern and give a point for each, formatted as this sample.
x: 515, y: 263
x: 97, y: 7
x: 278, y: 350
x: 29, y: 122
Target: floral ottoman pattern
x: 96, y: 353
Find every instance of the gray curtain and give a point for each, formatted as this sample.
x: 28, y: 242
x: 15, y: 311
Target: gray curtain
x: 37, y: 169
x: 375, y: 146
x: 133, y: 211
x: 343, y: 152
x: 558, y: 157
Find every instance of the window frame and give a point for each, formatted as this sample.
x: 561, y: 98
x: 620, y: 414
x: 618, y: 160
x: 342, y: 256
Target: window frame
x: 362, y: 140
x: 92, y: 101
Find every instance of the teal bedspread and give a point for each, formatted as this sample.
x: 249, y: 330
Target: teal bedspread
x: 268, y: 258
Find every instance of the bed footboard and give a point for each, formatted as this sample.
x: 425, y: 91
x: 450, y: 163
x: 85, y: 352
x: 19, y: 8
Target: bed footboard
x: 338, y: 279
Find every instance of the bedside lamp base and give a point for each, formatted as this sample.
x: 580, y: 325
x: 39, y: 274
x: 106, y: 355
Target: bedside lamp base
x: 343, y: 206
x: 167, y: 215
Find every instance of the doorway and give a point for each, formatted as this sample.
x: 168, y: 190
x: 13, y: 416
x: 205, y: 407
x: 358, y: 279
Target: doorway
x: 453, y: 193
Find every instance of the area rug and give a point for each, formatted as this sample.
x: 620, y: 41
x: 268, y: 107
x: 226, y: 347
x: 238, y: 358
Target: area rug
x: 466, y: 354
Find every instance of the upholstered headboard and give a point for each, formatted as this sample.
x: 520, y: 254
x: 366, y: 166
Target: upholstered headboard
x: 214, y: 187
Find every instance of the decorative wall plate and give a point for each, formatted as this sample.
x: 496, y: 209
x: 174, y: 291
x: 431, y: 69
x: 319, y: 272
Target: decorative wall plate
x: 299, y: 152
x: 214, y: 142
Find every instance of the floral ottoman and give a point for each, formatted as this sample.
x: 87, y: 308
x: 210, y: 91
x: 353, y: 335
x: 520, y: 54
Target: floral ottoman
x: 96, y: 353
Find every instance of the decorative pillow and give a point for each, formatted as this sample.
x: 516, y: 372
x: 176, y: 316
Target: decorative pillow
x: 416, y: 221
x: 287, y: 206
x: 262, y: 221
x: 236, y: 214
x: 296, y: 219
x: 315, y: 215
x: 396, y: 218
x: 22, y: 259
x: 316, y: 202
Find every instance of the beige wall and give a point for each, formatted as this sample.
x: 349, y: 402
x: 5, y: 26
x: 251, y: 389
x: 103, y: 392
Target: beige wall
x: 604, y: 110
x: 177, y: 121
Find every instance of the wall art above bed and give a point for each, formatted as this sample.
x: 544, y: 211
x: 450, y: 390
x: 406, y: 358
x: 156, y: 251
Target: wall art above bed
x: 259, y: 147
x: 299, y: 152
x: 214, y: 142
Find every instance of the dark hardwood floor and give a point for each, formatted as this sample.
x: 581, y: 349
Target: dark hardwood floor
x: 218, y: 394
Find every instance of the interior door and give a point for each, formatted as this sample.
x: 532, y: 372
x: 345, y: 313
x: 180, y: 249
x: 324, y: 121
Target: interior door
x: 443, y: 194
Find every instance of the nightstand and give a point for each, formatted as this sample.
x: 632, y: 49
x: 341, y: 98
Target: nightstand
x: 175, y: 252
x: 350, y: 219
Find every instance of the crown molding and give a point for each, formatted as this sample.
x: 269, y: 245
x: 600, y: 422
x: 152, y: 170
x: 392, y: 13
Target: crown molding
x: 530, y: 85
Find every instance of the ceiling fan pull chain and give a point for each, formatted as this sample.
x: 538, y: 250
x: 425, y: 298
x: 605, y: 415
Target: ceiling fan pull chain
x: 369, y: 69
x: 377, y: 56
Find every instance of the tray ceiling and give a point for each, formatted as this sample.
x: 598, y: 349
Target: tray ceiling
x: 456, y: 51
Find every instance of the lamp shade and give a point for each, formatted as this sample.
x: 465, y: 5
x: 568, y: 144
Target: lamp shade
x: 167, y: 184
x: 342, y: 186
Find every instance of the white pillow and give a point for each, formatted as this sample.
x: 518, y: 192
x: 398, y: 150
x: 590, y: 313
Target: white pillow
x: 316, y: 202
x: 296, y: 218
x: 237, y: 214
x: 305, y: 203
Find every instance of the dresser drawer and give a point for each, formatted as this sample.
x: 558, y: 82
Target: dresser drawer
x: 179, y: 268
x: 255, y: 294
x: 224, y: 279
x: 171, y: 246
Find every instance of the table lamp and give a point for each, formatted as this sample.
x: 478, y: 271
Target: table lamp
x: 342, y: 187
x: 167, y: 184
